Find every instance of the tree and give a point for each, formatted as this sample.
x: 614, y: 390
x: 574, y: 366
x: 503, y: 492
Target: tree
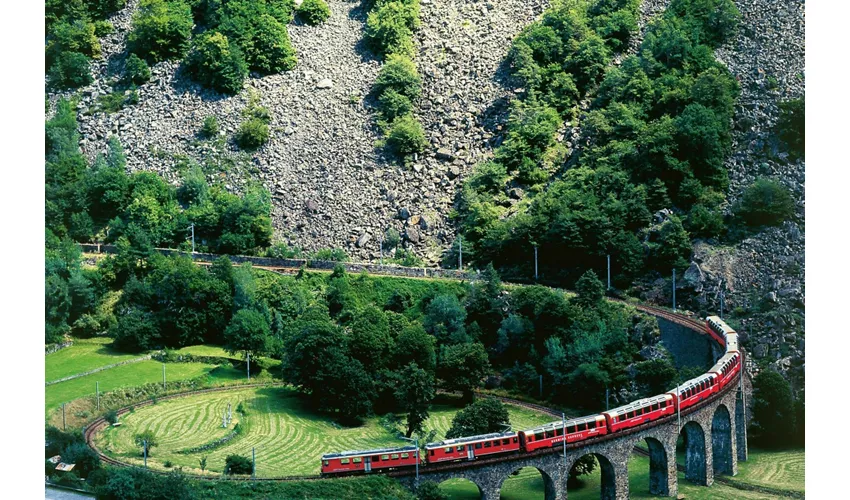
x: 584, y: 465
x: 86, y: 460
x: 406, y: 136
x: 792, y: 124
x: 589, y: 290
x: 481, y: 417
x: 146, y: 440
x: 370, y: 341
x: 655, y: 375
x: 765, y: 202
x: 414, y: 344
x: 773, y: 409
x: 314, y: 11
x: 414, y: 393
x: 237, y: 464
x: 215, y: 63
x: 249, y: 333
x: 444, y: 319
x: 161, y: 29
x: 135, y: 331
x: 203, y: 463
x: 463, y: 366
x: 429, y: 490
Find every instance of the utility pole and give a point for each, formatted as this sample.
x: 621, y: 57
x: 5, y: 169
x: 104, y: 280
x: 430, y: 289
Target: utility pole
x: 192, y: 227
x: 381, y: 248
x: 609, y: 271
x: 535, y: 262
x: 606, y: 399
x: 253, y: 463
x: 721, y: 299
x: 97, y: 391
x: 674, y: 290
x: 248, y: 354
x: 678, y: 410
x: 460, y: 254
x: 145, y: 447
x: 63, y: 416
x: 564, y: 424
x: 415, y: 443
x: 163, y: 377
x: 541, y: 386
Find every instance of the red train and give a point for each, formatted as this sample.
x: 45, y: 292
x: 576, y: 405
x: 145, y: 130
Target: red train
x: 634, y: 414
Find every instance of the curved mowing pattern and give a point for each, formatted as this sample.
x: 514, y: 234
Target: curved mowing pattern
x: 775, y: 469
x: 288, y: 437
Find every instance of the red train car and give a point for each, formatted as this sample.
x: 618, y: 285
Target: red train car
x: 552, y: 434
x: 469, y: 448
x: 718, y: 329
x: 639, y: 412
x: 727, y: 368
x: 352, y: 462
x: 695, y: 390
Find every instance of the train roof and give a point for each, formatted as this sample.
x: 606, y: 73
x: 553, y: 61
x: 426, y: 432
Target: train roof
x: 560, y: 423
x: 469, y: 439
x: 723, y: 359
x: 692, y: 382
x: 719, y: 322
x: 640, y: 403
x: 360, y: 453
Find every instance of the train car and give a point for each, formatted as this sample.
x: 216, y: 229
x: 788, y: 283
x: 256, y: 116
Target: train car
x: 471, y: 447
x: 353, y: 462
x: 552, y: 434
x: 727, y: 368
x: 718, y: 329
x: 695, y: 390
x: 639, y: 412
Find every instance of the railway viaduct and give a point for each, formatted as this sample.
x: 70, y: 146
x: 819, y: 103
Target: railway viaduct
x: 714, y: 433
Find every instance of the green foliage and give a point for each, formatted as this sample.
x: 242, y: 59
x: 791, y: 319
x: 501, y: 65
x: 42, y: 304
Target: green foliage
x: 248, y: 332
x: 161, y: 29
x: 70, y: 70
x: 406, y: 136
x: 792, y: 125
x: 765, y: 203
x: 252, y: 134
x: 444, y: 319
x: 86, y: 460
x: 673, y: 248
x: 136, y: 70
x: 414, y: 393
x: 390, y: 25
x: 146, y: 440
x: 210, y: 127
x: 331, y: 254
x: 111, y: 416
x: 705, y: 222
x: 655, y: 376
x: 429, y: 490
x: 237, y: 464
x: 463, y: 367
x: 215, y: 63
x: 392, y: 238
x: 392, y: 105
x: 773, y: 409
x: 258, y: 28
x: 314, y: 11
x: 484, y: 416
x: 589, y: 290
x: 399, y: 74
x: 71, y: 36
x: 135, y: 483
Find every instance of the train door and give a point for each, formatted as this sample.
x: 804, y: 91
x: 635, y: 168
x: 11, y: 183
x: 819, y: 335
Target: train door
x: 367, y: 464
x: 470, y: 453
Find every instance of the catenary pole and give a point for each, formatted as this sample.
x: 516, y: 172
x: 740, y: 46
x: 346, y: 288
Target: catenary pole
x: 145, y: 447
x: 163, y: 377
x: 97, y: 391
x: 674, y: 290
x: 609, y: 271
x: 253, y: 463
x: 248, y: 354
x: 564, y: 424
x: 192, y: 227
x: 535, y: 262
x: 460, y: 254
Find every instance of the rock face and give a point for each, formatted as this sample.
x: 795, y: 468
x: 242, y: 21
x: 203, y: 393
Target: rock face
x: 322, y: 153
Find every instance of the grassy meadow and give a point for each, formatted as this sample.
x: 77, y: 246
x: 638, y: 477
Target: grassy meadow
x: 83, y: 356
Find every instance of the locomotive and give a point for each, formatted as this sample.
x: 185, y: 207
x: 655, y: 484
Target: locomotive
x: 619, y: 419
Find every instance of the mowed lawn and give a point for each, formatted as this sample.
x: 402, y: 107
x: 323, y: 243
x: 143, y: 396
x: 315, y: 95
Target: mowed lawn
x: 784, y: 469
x: 288, y: 437
x: 528, y: 485
x: 129, y: 375
x: 83, y: 356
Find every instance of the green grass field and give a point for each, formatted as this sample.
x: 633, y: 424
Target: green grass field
x: 84, y: 355
x: 288, y: 437
x: 129, y: 375
x: 528, y: 485
x: 784, y: 469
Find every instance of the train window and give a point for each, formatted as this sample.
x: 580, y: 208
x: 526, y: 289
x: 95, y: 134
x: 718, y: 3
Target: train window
x: 432, y: 453
x: 477, y: 446
x: 385, y: 457
x: 450, y: 449
x: 326, y: 463
x: 357, y: 460
x: 591, y: 425
x: 506, y: 441
x: 461, y: 448
x: 496, y: 443
x: 394, y: 456
x: 487, y: 444
x: 538, y: 435
x: 405, y: 455
x: 377, y: 458
x: 559, y: 431
x: 571, y: 429
x: 343, y: 461
x: 515, y: 439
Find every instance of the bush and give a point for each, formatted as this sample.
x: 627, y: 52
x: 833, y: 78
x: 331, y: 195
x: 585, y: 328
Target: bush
x: 314, y: 11
x: 392, y: 105
x: 77, y: 36
x: 705, y: 222
x: 136, y: 70
x: 270, y: 50
x: 71, y: 70
x: 773, y: 409
x: 765, y: 202
x: 215, y: 63
x: 111, y: 416
x: 161, y: 29
x: 399, y: 74
x: 389, y: 28
x: 792, y: 124
x: 333, y: 255
x: 406, y: 136
x: 252, y: 134
x: 103, y: 28
x: 429, y: 490
x: 210, y: 127
x: 236, y: 464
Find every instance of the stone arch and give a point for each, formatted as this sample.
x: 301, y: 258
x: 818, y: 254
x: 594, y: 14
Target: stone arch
x: 741, y: 424
x: 695, y: 453
x: 609, y: 480
x: 721, y: 440
x: 466, y: 481
x: 550, y: 485
x: 662, y: 468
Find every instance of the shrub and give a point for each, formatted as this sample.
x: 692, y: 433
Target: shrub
x: 77, y: 36
x: 407, y: 258
x: 705, y: 222
x: 314, y: 11
x: 252, y: 134
x: 236, y: 464
x: 389, y: 28
x: 399, y: 74
x: 270, y: 50
x: 429, y: 490
x: 773, y: 409
x: 215, y: 63
x: 111, y: 416
x: 392, y: 105
x: 406, y: 136
x: 103, y: 28
x: 70, y: 70
x: 334, y: 255
x: 765, y: 202
x: 136, y: 70
x: 210, y: 127
x: 161, y: 29
x: 792, y: 124
x: 168, y: 464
